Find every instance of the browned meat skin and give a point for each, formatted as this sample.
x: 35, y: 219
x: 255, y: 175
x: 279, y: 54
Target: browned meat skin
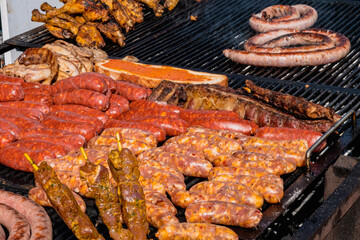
x: 124, y: 168
x: 296, y: 106
x: 170, y: 4
x: 112, y: 31
x: 221, y: 98
x: 106, y: 199
x: 154, y: 5
x: 89, y: 36
x: 65, y: 204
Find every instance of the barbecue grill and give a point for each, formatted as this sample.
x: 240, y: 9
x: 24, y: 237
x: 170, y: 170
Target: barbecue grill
x: 176, y: 40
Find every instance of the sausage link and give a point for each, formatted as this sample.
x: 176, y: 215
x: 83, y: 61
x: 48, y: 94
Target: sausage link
x: 150, y: 184
x: 40, y: 98
x: 136, y: 113
x: 172, y: 126
x: 69, y: 141
x: 37, y: 90
x: 294, y: 155
x: 11, y: 127
x: 44, y: 131
x: 219, y: 132
x: 56, y: 149
x: 237, y: 171
x: 2, y: 234
x: 90, y: 81
x: 73, y: 116
x: 195, y: 231
x: 132, y: 133
x: 288, y: 164
x: 16, y: 224
x: 170, y: 181
x: 38, y: 195
x: 225, y: 213
x: 11, y: 92
x: 188, y: 165
x: 85, y: 129
x: 182, y: 149
x: 22, y: 122
x: 131, y: 91
x: 274, y: 166
x: 32, y: 113
x: 120, y: 101
x: 183, y: 198
x: 6, y: 137
x: 114, y: 111
x: 40, y: 223
x: 9, y: 79
x: 83, y: 97
x: 27, y: 104
x: 290, y: 134
x: 149, y: 104
x: 245, y: 194
x: 224, y: 123
x: 158, y: 132
x: 190, y: 115
x: 158, y: 216
x: 224, y: 143
x: 271, y: 192
x: 160, y: 200
x: 81, y: 110
x: 161, y: 166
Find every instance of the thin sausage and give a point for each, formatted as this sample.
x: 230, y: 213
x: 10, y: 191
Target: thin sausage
x: 195, y: 231
x: 172, y: 126
x: 40, y: 223
x: 17, y: 226
x: 149, y: 104
x: 83, y: 97
x: 56, y: 149
x: 69, y: 141
x: 225, y: 213
x: 131, y: 91
x: 11, y: 92
x: 81, y: 110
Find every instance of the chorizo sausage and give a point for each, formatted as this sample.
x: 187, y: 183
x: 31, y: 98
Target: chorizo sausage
x: 276, y: 17
x: 157, y: 131
x: 244, y: 193
x: 290, y: 134
x: 172, y: 126
x: 149, y: 104
x: 44, y: 131
x: 40, y: 223
x: 81, y: 110
x: 224, y: 123
x: 6, y: 137
x: 40, y: 98
x: 11, y: 127
x: 136, y: 113
x: 192, y: 114
x: 69, y: 141
x: 11, y: 92
x: 85, y: 129
x: 83, y: 97
x: 90, y: 81
x: 195, y: 231
x: 225, y: 213
x: 73, y: 116
x: 120, y: 101
x: 16, y: 224
x: 32, y: 113
x: 158, y: 216
x: 271, y: 192
x: 22, y: 122
x: 131, y: 133
x: 27, y: 104
x: 56, y: 149
x: 114, y: 111
x: 37, y: 90
x: 131, y: 91
x: 9, y: 79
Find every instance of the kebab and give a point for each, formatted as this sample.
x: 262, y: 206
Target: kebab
x: 106, y: 198
x: 124, y: 169
x: 63, y: 201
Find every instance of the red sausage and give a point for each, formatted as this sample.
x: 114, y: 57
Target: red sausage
x: 40, y: 98
x: 159, y: 132
x: 88, y: 130
x: 32, y: 113
x: 120, y: 101
x: 37, y: 90
x: 69, y: 141
x: 40, y: 223
x: 148, y: 104
x: 44, y: 131
x: 234, y: 124
x: 46, y: 88
x: 72, y: 116
x: 289, y: 134
x: 22, y: 122
x: 192, y: 114
x: 6, y: 137
x: 114, y: 111
x: 27, y: 104
x: 13, y: 157
x: 131, y: 91
x: 11, y: 92
x: 81, y: 110
x: 83, y: 97
x: 11, y: 127
x: 136, y: 113
x: 56, y: 149
x: 90, y: 81
x: 172, y: 126
x: 4, y: 78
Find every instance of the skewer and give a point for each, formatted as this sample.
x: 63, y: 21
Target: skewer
x: 118, y: 140
x: 33, y: 164
x: 83, y: 153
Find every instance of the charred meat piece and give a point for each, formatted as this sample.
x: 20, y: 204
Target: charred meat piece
x: 112, y: 31
x: 155, y: 6
x: 89, y: 36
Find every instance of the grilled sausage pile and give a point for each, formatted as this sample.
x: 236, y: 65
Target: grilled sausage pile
x: 286, y: 40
